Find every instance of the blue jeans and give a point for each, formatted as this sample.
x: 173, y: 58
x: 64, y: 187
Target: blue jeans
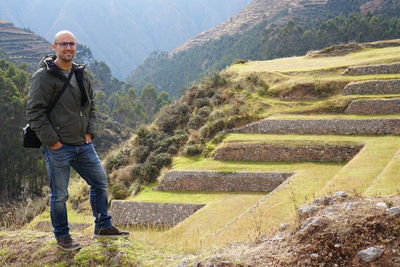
x: 85, y: 161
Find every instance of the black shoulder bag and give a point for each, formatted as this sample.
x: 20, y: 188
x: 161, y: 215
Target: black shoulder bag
x: 30, y: 138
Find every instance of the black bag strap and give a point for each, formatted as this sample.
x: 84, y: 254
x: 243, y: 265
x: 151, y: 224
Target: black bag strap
x: 59, y: 94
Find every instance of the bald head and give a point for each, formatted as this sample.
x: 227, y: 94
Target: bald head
x: 62, y: 34
x: 64, y: 47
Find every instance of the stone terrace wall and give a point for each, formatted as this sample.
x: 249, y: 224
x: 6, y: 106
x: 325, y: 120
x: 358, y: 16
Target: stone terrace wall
x: 378, y: 106
x: 373, y: 87
x: 281, y: 152
x: 147, y: 213
x: 373, y: 69
x: 222, y: 181
x: 333, y: 126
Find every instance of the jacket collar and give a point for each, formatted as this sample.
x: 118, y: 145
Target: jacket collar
x: 48, y: 63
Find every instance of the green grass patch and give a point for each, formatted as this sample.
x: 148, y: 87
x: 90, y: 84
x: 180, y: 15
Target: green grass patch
x: 388, y: 182
x: 150, y: 195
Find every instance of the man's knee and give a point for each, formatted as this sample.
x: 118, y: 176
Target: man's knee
x: 62, y: 198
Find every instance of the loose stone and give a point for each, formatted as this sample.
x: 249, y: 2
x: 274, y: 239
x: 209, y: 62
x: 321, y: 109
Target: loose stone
x: 370, y: 254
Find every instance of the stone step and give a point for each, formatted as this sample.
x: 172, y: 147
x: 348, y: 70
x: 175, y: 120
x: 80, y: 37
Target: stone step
x: 373, y: 69
x: 129, y: 213
x: 222, y: 181
x: 321, y: 126
x: 376, y: 87
x: 288, y: 152
x: 376, y: 106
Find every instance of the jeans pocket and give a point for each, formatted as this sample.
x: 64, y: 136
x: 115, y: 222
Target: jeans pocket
x: 60, y: 156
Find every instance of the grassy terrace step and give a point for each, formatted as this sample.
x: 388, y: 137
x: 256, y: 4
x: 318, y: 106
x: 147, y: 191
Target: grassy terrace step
x: 366, y: 173
x: 324, y: 126
x: 376, y: 106
x: 388, y: 182
x: 206, y: 180
x: 129, y: 213
x: 288, y: 151
x: 375, y: 87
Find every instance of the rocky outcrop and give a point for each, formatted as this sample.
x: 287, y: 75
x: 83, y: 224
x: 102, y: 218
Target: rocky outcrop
x: 222, y: 181
x: 331, y: 126
x: 315, y: 152
x: 377, y: 106
x: 373, y: 69
x: 150, y: 214
x: 376, y: 87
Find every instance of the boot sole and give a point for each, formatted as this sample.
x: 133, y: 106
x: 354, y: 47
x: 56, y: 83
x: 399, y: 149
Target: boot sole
x: 112, y: 236
x: 70, y: 248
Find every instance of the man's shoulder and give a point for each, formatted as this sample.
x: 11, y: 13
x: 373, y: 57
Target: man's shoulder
x: 40, y: 73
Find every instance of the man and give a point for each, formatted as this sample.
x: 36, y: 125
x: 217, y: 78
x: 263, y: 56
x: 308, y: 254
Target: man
x: 66, y: 134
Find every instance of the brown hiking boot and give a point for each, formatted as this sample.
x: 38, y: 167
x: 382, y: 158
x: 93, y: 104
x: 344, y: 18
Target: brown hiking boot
x: 67, y: 243
x: 110, y: 232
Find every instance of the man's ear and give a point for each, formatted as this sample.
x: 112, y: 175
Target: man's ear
x: 53, y: 47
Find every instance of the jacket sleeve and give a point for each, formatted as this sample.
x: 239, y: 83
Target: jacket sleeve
x: 91, y: 129
x: 40, y: 94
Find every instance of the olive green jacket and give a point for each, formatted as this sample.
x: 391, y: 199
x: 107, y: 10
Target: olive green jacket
x: 73, y: 115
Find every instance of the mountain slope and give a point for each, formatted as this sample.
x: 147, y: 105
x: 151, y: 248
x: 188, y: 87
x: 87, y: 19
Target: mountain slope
x: 22, y: 46
x: 121, y: 33
x: 308, y: 25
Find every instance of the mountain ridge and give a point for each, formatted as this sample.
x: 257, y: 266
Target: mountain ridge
x: 121, y: 33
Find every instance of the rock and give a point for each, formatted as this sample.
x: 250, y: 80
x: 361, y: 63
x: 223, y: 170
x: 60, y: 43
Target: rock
x: 306, y: 211
x: 312, y: 224
x: 393, y: 211
x: 283, y: 226
x: 325, y: 201
x: 341, y: 194
x: 347, y: 206
x: 370, y: 254
x: 381, y: 205
x: 314, y: 255
x: 117, y: 259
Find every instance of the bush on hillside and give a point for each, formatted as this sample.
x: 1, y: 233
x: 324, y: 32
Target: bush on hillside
x: 173, y: 117
x: 119, y: 191
x: 192, y: 150
x: 239, y: 61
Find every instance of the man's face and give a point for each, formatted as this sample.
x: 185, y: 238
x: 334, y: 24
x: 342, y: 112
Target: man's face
x: 65, y: 47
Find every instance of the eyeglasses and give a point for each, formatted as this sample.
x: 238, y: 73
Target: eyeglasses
x: 66, y: 44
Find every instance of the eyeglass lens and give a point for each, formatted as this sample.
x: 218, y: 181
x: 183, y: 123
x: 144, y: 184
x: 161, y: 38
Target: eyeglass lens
x: 65, y: 44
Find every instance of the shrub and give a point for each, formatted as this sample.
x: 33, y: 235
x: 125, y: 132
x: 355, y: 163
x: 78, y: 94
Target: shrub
x: 218, y: 80
x: 141, y: 153
x: 115, y: 160
x: 150, y: 173
x: 172, y: 117
x: 119, y: 191
x: 192, y: 150
x: 159, y: 160
x: 201, y: 102
x: 239, y: 61
x: 136, y: 172
x: 204, y: 112
x: 196, y: 122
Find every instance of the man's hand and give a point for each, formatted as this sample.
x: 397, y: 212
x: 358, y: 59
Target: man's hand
x: 56, y: 145
x: 88, y: 138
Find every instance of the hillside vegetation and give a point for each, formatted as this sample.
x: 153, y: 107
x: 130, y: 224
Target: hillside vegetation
x: 187, y: 134
x: 285, y: 36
